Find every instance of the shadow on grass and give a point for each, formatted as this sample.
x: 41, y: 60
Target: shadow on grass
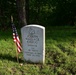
x: 10, y: 58
x: 5, y: 34
x: 60, y: 35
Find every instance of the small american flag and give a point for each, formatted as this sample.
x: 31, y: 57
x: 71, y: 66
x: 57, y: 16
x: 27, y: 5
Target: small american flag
x: 16, y: 38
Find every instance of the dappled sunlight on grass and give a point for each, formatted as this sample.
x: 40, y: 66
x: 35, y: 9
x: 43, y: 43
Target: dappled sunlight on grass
x: 60, y: 53
x: 61, y: 47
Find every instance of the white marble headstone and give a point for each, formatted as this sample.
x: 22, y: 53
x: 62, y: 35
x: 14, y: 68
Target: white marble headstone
x: 33, y: 43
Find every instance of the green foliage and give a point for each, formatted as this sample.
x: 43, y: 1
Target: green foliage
x: 60, y: 54
x: 44, y: 12
x: 53, y: 12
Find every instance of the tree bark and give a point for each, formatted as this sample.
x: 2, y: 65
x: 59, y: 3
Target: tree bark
x: 21, y: 12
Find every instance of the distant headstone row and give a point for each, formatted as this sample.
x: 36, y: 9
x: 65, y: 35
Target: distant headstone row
x: 33, y: 42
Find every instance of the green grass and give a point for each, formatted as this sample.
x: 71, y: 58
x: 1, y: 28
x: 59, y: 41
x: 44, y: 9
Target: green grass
x: 60, y: 54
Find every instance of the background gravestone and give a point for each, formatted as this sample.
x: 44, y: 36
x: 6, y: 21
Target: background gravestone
x: 33, y: 42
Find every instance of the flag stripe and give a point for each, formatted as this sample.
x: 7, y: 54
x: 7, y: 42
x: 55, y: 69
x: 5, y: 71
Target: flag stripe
x: 16, y: 38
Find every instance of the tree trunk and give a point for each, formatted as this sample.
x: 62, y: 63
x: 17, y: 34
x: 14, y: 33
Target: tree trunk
x: 27, y: 10
x: 37, y: 18
x: 21, y: 12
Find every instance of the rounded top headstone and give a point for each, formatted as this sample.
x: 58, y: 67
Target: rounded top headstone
x: 33, y: 43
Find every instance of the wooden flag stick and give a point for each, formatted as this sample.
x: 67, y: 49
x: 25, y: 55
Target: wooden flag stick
x: 15, y: 42
x: 11, y: 19
x: 16, y: 53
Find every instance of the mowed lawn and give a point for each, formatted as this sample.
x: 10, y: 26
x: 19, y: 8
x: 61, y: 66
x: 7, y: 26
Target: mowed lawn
x: 60, y: 53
